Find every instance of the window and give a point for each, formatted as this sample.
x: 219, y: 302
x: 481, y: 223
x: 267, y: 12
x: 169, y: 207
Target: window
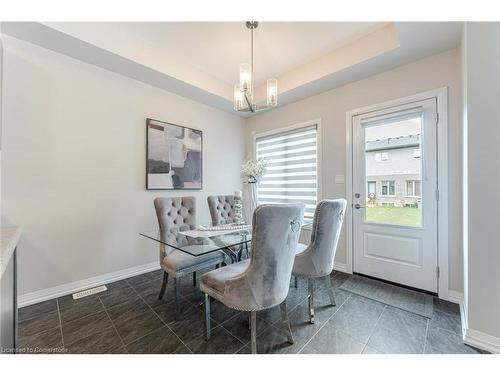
x: 388, y: 188
x: 413, y: 188
x: 291, y: 175
x: 381, y: 156
x: 372, y: 188
x: 416, y: 153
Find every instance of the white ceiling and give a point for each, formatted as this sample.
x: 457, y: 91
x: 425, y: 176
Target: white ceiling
x: 217, y: 48
x: 200, y: 60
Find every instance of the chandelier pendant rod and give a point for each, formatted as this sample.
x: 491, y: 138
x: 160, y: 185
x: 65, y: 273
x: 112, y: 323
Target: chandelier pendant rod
x: 250, y: 103
x: 251, y: 60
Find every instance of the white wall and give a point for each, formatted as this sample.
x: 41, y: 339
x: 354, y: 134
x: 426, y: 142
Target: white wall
x: 1, y: 118
x: 426, y: 74
x: 74, y: 164
x: 482, y: 183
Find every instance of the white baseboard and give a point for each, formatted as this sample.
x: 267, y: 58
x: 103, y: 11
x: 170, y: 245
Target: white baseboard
x: 472, y: 337
x: 76, y: 286
x: 341, y: 267
x: 482, y: 341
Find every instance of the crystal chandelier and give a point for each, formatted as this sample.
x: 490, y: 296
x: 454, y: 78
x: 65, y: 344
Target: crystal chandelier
x: 243, y: 91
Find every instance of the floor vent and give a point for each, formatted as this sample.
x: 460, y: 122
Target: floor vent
x: 89, y: 292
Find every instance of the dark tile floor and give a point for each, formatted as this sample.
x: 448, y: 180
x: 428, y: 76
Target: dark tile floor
x: 128, y: 318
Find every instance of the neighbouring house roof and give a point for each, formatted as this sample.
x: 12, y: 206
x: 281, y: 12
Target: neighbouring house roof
x: 393, y: 143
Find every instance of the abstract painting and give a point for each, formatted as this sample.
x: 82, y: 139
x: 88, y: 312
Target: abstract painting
x: 174, y: 156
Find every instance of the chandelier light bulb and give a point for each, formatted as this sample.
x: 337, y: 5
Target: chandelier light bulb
x: 246, y: 77
x: 239, y: 98
x: 272, y: 92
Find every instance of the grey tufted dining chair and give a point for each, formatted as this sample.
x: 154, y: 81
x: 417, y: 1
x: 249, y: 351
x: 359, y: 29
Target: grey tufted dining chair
x: 175, y: 215
x: 261, y: 282
x: 315, y: 260
x: 221, y: 209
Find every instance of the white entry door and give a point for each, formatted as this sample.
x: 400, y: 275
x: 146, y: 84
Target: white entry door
x: 395, y: 194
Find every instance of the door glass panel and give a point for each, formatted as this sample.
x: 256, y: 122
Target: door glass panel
x: 393, y: 172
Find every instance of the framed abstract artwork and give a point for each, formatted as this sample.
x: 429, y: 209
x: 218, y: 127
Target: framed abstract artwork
x: 174, y: 157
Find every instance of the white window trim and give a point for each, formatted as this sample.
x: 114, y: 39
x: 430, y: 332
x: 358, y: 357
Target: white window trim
x: 441, y: 97
x: 319, y: 154
x: 406, y: 187
x: 382, y: 189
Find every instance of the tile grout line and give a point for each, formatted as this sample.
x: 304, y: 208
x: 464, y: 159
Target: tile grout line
x: 139, y: 338
x: 395, y: 289
x: 374, y: 327
x: 113, y: 324
x: 290, y: 311
x: 85, y: 317
x: 154, y: 312
x: 195, y: 305
x: 445, y: 329
x: 427, y: 321
x: 60, y: 321
x: 220, y: 325
x: 320, y: 328
x: 237, y: 339
x: 44, y: 330
x: 217, y: 325
x: 426, y: 333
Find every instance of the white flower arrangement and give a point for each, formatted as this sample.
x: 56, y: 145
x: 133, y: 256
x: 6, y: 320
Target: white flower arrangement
x: 253, y: 170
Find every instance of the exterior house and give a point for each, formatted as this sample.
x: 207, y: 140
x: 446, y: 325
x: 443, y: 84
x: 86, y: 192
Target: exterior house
x: 393, y: 170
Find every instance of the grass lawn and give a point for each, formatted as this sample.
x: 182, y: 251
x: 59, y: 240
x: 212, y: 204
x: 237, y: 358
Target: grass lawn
x: 408, y: 216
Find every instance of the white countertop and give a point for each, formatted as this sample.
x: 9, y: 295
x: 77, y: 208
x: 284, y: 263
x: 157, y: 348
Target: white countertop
x: 10, y: 238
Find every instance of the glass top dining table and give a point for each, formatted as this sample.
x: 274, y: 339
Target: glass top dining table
x: 203, y: 240
x: 197, y: 241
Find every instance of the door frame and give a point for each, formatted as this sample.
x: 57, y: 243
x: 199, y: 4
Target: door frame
x: 441, y: 97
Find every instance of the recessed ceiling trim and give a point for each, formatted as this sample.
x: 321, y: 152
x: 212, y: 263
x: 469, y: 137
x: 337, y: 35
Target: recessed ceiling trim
x: 381, y: 49
x: 378, y: 42
x: 60, y: 42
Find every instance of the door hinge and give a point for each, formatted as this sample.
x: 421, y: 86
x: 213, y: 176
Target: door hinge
x: 437, y: 194
x: 437, y: 118
x: 437, y: 272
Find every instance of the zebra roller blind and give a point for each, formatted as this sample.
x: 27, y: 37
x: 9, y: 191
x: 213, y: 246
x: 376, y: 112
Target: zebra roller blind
x: 292, y: 173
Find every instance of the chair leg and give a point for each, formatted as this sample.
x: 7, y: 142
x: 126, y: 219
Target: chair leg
x: 194, y: 279
x: 163, y: 285
x: 296, y: 282
x: 207, y: 316
x: 330, y: 290
x: 177, y: 297
x: 286, y: 322
x: 310, y: 282
x: 253, y: 331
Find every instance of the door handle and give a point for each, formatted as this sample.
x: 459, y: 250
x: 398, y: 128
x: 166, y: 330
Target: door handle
x: 357, y: 206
